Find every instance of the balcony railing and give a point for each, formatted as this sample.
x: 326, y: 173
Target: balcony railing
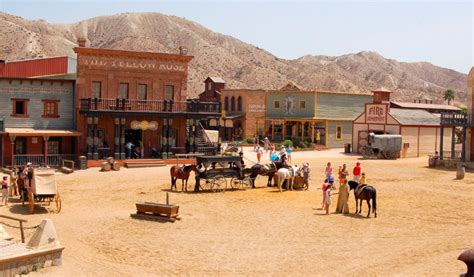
x: 38, y: 159
x: 457, y: 119
x: 154, y: 106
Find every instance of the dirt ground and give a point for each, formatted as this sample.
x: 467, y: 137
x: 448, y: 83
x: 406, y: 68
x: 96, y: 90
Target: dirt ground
x: 425, y: 220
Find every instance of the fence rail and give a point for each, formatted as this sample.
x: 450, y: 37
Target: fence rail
x: 457, y: 119
x: 156, y: 106
x: 38, y: 159
x: 447, y: 155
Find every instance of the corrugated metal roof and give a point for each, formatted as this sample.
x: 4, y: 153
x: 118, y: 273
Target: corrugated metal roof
x: 341, y: 106
x: 38, y: 67
x: 425, y: 106
x: 414, y: 117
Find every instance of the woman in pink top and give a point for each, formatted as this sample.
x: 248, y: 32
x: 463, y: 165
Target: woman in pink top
x: 328, y: 170
x: 327, y: 198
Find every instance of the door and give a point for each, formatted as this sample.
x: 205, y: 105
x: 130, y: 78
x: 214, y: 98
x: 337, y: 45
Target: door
x: 363, y: 140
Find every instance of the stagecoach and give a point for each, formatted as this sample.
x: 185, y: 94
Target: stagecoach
x: 43, y: 189
x: 215, y: 170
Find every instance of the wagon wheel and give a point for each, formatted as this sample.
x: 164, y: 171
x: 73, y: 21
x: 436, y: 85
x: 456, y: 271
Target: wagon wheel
x: 246, y: 183
x: 205, y: 184
x: 235, y: 183
x: 367, y: 152
x: 219, y: 183
x: 31, y: 202
x: 57, y: 200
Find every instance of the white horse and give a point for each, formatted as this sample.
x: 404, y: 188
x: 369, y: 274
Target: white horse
x: 287, y: 174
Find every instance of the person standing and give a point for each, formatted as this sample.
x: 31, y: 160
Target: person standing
x: 289, y: 150
x: 266, y: 144
x: 327, y: 198
x: 129, y: 147
x: 318, y: 136
x: 342, y: 205
x: 324, y: 187
x: 328, y: 170
x: 142, y: 149
x: 259, y: 153
x: 343, y: 174
x: 13, y: 182
x: 306, y: 173
x: 4, y: 191
x: 356, y: 172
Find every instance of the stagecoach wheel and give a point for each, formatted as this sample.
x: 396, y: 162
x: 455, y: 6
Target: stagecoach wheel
x: 235, y: 183
x: 246, y: 183
x: 219, y: 183
x: 31, y: 202
x: 57, y: 200
x: 367, y: 152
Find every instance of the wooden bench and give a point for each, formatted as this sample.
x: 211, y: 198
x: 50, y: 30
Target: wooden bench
x: 156, y: 211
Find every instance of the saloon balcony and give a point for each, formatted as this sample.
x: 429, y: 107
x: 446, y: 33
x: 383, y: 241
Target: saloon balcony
x: 457, y: 120
x: 164, y: 107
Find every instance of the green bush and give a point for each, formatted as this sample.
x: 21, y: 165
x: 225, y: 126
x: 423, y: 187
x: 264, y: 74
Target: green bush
x: 287, y: 143
x: 249, y: 140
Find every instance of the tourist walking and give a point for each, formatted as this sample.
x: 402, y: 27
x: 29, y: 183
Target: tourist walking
x: 4, y: 191
x: 259, y: 151
x: 289, y: 150
x: 266, y: 144
x: 343, y: 197
x: 327, y: 198
x: 356, y: 172
x: 324, y: 187
x: 343, y: 174
x: 328, y: 170
x: 13, y: 189
x: 129, y: 147
x: 306, y: 174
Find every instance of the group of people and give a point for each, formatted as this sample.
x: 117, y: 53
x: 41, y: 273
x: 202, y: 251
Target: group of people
x: 281, y: 156
x: 135, y: 151
x: 20, y: 179
x: 329, y: 185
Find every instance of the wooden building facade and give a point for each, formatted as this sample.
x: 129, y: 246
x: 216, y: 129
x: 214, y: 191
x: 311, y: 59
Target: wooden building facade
x: 136, y: 97
x: 37, y: 123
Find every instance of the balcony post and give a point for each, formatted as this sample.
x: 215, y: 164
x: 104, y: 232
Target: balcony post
x: 441, y: 137
x: 95, y: 103
x: 95, y: 141
x: 464, y: 137
x: 12, y: 140
x: 89, y: 139
x: 45, y: 144
x: 122, y: 138
x: 117, y: 137
x: 453, y: 143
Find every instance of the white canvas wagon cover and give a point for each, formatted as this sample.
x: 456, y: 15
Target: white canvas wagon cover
x: 44, y: 182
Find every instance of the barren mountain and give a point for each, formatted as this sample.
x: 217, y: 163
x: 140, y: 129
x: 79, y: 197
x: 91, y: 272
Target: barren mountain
x: 242, y: 65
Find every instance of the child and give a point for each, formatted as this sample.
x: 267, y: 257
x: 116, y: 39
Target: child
x: 306, y: 172
x: 4, y: 191
x: 363, y: 181
x: 324, y: 187
x: 13, y: 191
x: 259, y: 153
x: 328, y: 170
x: 331, y: 181
x: 289, y: 150
x: 327, y: 198
x: 343, y: 175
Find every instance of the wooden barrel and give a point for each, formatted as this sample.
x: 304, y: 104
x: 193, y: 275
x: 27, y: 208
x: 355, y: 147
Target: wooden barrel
x: 116, y: 166
x: 431, y: 162
x: 460, y: 172
x: 110, y: 160
x: 105, y: 166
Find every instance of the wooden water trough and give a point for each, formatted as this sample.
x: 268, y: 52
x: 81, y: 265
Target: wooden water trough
x: 156, y: 211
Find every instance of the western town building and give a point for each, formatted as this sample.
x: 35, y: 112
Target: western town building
x: 321, y: 117
x: 51, y: 67
x: 37, y: 121
x: 420, y: 129
x: 139, y: 98
x: 212, y: 89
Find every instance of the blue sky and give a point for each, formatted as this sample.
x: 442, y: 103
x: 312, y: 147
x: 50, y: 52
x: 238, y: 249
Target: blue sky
x: 433, y: 31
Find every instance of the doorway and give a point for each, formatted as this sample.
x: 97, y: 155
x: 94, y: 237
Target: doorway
x: 135, y: 137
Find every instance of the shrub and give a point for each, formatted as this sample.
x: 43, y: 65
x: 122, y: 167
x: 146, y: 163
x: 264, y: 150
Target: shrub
x: 249, y: 140
x: 287, y: 143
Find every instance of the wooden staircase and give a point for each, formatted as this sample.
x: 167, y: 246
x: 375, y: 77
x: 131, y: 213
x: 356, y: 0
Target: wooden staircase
x: 138, y: 163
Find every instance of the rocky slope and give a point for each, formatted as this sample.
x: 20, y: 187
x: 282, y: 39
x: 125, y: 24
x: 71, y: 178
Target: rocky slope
x: 242, y: 65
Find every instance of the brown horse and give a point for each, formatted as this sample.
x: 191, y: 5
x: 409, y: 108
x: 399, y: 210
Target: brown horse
x: 364, y: 192
x: 180, y: 173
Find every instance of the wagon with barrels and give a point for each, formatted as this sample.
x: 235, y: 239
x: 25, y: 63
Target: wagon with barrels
x: 43, y: 189
x: 382, y: 146
x: 216, y: 173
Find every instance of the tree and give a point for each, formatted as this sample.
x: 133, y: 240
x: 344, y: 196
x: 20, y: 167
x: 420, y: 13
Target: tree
x: 463, y: 109
x: 449, y: 95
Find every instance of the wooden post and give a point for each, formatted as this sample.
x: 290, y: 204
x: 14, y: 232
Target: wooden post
x: 22, y: 232
x: 453, y: 143
x: 441, y: 142
x: 12, y: 140
x: 284, y: 129
x: 312, y: 131
x: 45, y: 144
x: 463, y: 151
x: 167, y: 198
x: 273, y: 129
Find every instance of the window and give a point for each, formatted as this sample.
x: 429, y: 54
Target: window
x: 169, y: 92
x: 123, y: 93
x: 239, y: 103
x: 20, y: 146
x: 302, y: 104
x: 54, y: 145
x: 339, y: 132
x: 277, y: 104
x: 20, y: 107
x: 142, y: 91
x: 226, y: 104
x: 51, y: 108
x: 232, y: 103
x: 209, y: 86
x: 96, y: 89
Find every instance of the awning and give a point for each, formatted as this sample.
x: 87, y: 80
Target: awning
x: 234, y: 116
x: 223, y: 123
x: 30, y: 132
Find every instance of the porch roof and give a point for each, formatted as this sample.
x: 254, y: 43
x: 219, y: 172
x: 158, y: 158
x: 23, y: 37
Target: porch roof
x: 31, y: 132
x: 303, y: 118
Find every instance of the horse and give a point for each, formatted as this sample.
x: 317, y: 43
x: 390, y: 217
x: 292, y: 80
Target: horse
x: 287, y: 174
x: 364, y: 192
x: 264, y: 170
x: 180, y: 173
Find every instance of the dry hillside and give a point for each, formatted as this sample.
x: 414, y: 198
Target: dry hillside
x: 242, y: 65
